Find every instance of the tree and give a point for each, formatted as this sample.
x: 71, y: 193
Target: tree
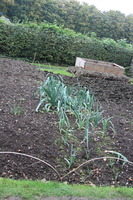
x: 129, y: 29
x: 4, y: 4
x: 68, y: 11
x: 71, y: 14
x: 51, y: 11
x: 112, y: 25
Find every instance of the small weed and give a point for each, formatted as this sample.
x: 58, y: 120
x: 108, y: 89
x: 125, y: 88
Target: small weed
x: 116, y: 176
x: 131, y: 81
x: 111, y: 163
x: 17, y: 110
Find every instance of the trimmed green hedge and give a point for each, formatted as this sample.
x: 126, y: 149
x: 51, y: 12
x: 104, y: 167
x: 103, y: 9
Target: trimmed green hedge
x: 50, y: 43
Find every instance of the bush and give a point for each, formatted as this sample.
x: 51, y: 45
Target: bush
x: 50, y: 43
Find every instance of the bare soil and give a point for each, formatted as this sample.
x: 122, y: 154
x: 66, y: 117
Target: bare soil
x: 23, y: 130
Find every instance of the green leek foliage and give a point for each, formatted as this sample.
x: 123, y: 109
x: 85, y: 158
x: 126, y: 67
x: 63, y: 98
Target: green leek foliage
x: 75, y: 102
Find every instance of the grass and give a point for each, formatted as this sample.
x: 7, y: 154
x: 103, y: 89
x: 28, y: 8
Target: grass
x: 48, y: 66
x: 53, y: 69
x: 61, y: 72
x: 32, y: 189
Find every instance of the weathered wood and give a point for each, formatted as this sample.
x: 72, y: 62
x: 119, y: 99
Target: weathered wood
x: 99, y: 66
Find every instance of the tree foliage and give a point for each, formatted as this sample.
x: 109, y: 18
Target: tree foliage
x: 72, y: 14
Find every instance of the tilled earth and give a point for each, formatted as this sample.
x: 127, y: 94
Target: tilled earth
x: 22, y: 130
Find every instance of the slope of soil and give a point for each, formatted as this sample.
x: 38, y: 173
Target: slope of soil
x: 25, y: 131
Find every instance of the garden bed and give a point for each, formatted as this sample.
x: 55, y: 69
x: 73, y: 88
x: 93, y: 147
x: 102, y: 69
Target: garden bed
x: 23, y: 130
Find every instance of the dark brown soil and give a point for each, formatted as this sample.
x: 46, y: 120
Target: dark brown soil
x: 23, y: 130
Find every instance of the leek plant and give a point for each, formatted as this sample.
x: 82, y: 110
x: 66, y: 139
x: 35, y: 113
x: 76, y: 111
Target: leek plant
x: 64, y: 122
x: 51, y: 92
x: 77, y: 110
x: 76, y: 101
x: 87, y: 137
x: 105, y: 124
x: 72, y: 156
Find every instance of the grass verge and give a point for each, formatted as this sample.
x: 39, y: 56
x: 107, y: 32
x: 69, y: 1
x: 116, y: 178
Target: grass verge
x: 53, y: 69
x: 34, y: 189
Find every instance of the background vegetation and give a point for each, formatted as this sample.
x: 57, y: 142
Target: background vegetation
x: 51, y: 43
x: 83, y: 18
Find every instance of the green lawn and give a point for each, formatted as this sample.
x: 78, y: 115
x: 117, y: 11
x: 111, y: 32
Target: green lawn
x: 54, y: 69
x: 30, y: 189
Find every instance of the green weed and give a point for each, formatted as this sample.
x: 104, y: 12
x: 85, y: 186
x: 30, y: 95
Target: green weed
x: 17, y: 108
x: 132, y: 81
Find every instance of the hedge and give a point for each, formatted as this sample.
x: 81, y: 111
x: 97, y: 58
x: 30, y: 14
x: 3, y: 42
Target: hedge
x: 50, y: 43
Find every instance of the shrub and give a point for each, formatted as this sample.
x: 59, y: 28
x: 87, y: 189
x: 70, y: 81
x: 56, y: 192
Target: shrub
x: 51, y: 43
